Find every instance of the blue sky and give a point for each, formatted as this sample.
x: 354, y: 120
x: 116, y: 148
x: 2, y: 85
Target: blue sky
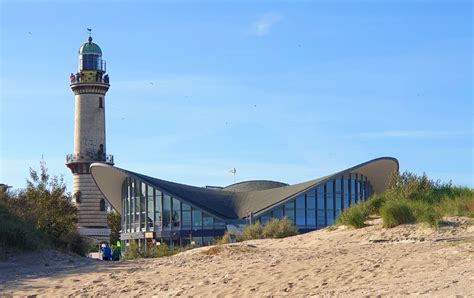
x: 280, y: 90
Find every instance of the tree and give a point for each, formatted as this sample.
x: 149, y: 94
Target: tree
x: 114, y: 222
x: 50, y: 205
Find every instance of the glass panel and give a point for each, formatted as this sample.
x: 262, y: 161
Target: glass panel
x: 330, y: 202
x: 311, y: 209
x: 359, y: 183
x: 338, y: 196
x: 207, y: 222
x: 186, y: 214
x: 219, y: 224
x: 142, y: 206
x: 176, y: 213
x: 207, y: 240
x: 320, y: 205
x: 346, y: 192
x: 151, y: 207
x: 353, y: 189
x: 278, y: 213
x: 197, y: 241
x: 197, y: 219
x: 158, y: 208
x: 166, y: 211
x: 289, y: 210
x: 264, y: 219
x: 300, y: 211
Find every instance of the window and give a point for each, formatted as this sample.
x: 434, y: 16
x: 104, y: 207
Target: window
x: 186, y: 216
x: 218, y: 224
x: 166, y: 211
x: 345, y: 191
x: 143, y: 207
x: 207, y: 222
x: 301, y: 211
x: 289, y: 210
x: 311, y: 209
x: 320, y: 206
x: 102, y: 205
x: 278, y: 213
x: 330, y: 202
x: 353, y: 189
x: 197, y: 219
x: 158, y: 208
x: 101, y: 102
x: 264, y: 219
x: 151, y: 207
x: 338, y: 196
x: 176, y: 213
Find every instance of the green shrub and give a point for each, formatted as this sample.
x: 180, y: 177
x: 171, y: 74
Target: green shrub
x: 396, y: 212
x: 458, y: 206
x: 424, y: 212
x: 16, y: 234
x: 132, y: 251
x: 254, y: 231
x: 282, y: 228
x: 226, y: 238
x: 157, y: 251
x: 353, y: 216
x: 372, y: 205
x: 75, y: 243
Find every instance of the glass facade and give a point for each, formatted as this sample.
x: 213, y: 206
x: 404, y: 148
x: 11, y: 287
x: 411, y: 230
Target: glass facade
x: 319, y: 206
x: 175, y: 222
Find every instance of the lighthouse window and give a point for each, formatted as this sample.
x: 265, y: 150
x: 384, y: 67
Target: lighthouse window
x: 102, y: 205
x: 101, y: 102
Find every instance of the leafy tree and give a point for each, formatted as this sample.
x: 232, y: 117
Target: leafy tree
x: 114, y: 223
x: 50, y: 204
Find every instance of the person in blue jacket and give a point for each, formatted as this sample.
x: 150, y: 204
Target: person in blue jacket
x: 106, y: 253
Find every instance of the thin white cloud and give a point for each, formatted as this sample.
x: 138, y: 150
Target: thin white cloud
x: 263, y: 25
x: 414, y: 134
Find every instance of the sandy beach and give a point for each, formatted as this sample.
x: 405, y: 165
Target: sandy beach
x: 406, y: 260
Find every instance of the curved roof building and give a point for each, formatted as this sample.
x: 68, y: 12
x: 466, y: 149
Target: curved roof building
x: 179, y: 214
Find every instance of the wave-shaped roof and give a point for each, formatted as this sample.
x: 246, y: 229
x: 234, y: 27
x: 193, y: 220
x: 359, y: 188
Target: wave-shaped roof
x: 229, y: 203
x: 254, y: 185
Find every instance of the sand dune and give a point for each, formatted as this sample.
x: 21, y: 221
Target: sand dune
x: 409, y: 259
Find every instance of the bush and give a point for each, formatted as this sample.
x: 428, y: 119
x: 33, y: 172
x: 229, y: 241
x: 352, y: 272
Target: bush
x: 279, y: 228
x: 424, y: 212
x: 396, y: 212
x: 75, y: 243
x: 353, y: 216
x: 254, y: 231
x: 157, y: 251
x: 132, y: 251
x: 459, y: 206
x: 16, y: 234
x: 372, y: 205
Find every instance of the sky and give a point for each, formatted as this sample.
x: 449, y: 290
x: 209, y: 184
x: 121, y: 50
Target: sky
x: 280, y: 90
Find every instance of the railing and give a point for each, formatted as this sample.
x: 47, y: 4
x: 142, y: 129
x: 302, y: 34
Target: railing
x: 80, y: 78
x: 107, y: 158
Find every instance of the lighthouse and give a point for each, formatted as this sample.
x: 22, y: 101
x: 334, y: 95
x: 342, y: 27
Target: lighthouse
x: 89, y: 84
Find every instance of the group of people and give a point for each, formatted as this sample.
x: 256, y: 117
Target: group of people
x: 111, y: 255
x: 77, y: 78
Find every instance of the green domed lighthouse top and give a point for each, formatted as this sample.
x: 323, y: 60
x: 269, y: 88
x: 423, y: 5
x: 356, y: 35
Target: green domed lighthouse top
x: 90, y: 48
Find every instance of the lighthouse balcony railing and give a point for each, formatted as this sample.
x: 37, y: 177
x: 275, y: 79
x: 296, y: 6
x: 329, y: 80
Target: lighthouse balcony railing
x: 79, y: 78
x: 107, y: 158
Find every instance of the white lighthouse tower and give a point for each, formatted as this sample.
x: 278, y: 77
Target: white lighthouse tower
x: 89, y: 84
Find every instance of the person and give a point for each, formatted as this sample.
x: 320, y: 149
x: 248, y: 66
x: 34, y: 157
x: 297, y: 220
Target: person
x: 117, y: 254
x: 106, y: 252
x: 72, y: 77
